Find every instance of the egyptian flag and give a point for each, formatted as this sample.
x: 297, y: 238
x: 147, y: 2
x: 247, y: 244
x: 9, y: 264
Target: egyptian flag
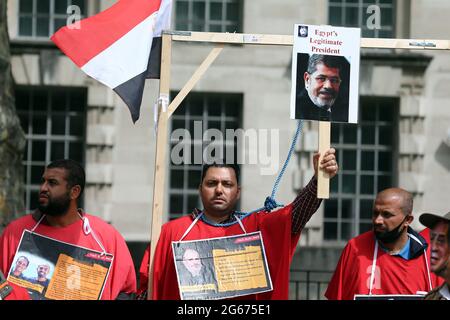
x: 120, y: 47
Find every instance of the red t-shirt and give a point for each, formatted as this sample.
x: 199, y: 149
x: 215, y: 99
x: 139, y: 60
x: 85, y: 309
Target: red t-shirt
x: 393, y: 274
x: 121, y: 278
x: 17, y: 293
x: 279, y: 243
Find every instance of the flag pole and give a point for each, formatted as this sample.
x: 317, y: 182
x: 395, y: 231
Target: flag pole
x: 161, y: 146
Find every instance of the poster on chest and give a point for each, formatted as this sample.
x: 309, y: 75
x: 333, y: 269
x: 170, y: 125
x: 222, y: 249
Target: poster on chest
x: 325, y: 73
x: 54, y: 270
x: 221, y: 268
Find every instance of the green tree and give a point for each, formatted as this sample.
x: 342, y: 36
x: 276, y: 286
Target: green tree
x: 12, y: 137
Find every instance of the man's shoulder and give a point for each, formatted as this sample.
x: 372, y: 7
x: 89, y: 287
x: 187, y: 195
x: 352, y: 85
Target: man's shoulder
x: 362, y: 240
x: 26, y: 218
x: 100, y: 225
x: 178, y: 222
x: 174, y: 229
x: 20, y: 223
x: 304, y: 104
x: 339, y: 110
x: 276, y: 214
x: 96, y: 219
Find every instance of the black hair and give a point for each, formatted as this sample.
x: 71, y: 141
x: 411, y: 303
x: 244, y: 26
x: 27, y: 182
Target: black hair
x: 23, y: 257
x: 329, y: 61
x: 75, y: 172
x: 235, y: 167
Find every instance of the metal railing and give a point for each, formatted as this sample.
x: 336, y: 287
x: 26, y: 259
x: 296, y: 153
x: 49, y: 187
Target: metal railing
x: 308, y: 284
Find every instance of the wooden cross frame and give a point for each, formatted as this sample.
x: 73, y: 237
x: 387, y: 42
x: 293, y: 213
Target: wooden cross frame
x: 220, y: 39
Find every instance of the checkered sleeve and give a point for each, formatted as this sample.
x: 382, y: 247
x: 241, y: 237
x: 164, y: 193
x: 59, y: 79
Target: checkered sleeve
x: 304, y: 206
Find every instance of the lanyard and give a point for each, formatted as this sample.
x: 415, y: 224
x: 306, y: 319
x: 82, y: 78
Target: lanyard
x: 374, y: 263
x: 86, y: 229
x: 198, y: 218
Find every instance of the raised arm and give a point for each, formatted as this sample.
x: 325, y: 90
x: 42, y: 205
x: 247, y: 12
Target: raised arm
x: 306, y: 203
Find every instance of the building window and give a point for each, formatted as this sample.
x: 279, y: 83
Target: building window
x: 366, y: 156
x: 353, y: 13
x: 208, y: 15
x: 54, y: 123
x: 40, y: 19
x: 197, y: 113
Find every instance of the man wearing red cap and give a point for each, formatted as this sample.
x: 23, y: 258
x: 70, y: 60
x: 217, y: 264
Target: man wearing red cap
x: 440, y: 252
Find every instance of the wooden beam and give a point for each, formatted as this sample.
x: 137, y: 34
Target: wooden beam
x: 236, y: 38
x: 287, y: 40
x: 195, y: 78
x: 161, y: 146
x: 410, y: 44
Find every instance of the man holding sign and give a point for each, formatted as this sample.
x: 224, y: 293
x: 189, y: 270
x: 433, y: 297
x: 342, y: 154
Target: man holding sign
x: 279, y: 232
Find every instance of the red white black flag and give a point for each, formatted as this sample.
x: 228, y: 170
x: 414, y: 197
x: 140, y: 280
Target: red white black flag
x: 120, y: 47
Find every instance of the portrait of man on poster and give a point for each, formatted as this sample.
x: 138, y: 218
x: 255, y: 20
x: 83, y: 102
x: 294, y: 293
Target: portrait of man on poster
x: 322, y: 88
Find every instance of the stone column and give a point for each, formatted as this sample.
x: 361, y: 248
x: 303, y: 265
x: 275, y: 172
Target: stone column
x: 12, y: 137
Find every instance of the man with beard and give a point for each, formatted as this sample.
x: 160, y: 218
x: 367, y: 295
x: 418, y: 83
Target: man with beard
x: 58, y: 217
x: 322, y: 99
x: 192, y: 262
x: 42, y: 272
x: 391, y: 259
x: 440, y: 252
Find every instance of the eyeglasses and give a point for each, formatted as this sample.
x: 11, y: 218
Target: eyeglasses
x: 333, y: 80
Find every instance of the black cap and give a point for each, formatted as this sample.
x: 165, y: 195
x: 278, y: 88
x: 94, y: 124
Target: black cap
x: 430, y: 220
